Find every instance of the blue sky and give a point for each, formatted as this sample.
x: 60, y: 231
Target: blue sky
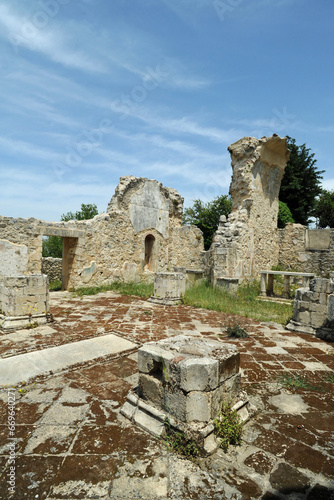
x: 94, y: 89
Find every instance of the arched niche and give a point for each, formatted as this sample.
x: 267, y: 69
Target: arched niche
x: 149, y: 252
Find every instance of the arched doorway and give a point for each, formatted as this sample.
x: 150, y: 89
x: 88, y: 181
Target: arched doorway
x: 149, y: 252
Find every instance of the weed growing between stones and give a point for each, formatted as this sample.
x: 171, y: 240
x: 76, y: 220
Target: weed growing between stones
x: 32, y: 325
x: 178, y: 442
x: 329, y: 378
x: 236, y: 331
x: 295, y: 382
x: 228, y: 427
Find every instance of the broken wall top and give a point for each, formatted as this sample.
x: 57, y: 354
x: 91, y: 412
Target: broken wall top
x: 148, y: 203
x: 258, y: 167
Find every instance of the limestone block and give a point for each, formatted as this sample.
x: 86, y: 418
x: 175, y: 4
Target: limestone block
x: 303, y: 317
x: 13, y: 258
x: 198, y: 374
x: 319, y: 285
x: 151, y: 388
x: 323, y: 299
x: 182, y: 375
x: 306, y: 295
x: 198, y: 407
x: 154, y: 360
x: 318, y: 308
x: 331, y: 307
x: 317, y: 319
x: 225, y: 392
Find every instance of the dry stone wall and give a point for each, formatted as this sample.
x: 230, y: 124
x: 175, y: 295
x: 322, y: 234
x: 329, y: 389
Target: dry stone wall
x: 306, y: 250
x: 247, y: 241
x: 52, y: 268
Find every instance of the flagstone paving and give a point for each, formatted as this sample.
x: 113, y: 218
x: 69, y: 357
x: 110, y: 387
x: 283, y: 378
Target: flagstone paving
x: 72, y: 442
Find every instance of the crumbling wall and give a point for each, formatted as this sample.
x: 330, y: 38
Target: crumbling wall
x: 306, y: 250
x: 248, y: 241
x: 138, y: 236
x: 186, y: 248
x: 313, y: 310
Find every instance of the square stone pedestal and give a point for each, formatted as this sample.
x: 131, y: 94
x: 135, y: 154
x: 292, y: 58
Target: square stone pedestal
x: 168, y: 288
x: 24, y: 300
x: 184, y: 380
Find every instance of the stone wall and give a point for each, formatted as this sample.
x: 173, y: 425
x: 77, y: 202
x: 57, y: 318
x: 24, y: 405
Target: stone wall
x: 306, y: 250
x: 52, y: 268
x: 248, y: 241
x: 313, y: 311
x: 141, y: 234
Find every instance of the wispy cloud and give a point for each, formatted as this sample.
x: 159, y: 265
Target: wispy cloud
x: 50, y: 40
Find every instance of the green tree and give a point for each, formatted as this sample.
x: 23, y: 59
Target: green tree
x: 53, y: 245
x: 301, y: 182
x: 206, y: 216
x: 284, y: 215
x: 324, y: 209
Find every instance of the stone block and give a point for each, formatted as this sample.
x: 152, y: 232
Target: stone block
x: 198, y: 375
x: 331, y: 307
x: 303, y: 317
x: 151, y: 388
x: 319, y: 285
x: 198, y: 408
x: 154, y: 360
x: 318, y: 308
x: 317, y: 319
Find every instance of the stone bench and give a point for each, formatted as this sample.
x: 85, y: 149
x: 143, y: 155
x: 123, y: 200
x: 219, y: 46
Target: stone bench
x: 267, y: 281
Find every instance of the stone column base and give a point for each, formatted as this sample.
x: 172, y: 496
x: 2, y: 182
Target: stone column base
x: 165, y: 301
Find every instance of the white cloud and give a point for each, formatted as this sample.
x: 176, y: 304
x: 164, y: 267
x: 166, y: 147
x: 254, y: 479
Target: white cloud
x: 40, y: 34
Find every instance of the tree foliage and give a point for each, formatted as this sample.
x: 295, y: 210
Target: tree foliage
x: 53, y: 245
x: 324, y: 209
x: 284, y: 215
x: 206, y: 216
x: 301, y: 182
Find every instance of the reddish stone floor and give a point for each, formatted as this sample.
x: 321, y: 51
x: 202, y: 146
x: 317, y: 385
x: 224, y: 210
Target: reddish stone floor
x: 71, y: 441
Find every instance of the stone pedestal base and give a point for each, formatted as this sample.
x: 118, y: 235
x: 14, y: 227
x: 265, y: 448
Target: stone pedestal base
x: 156, y: 422
x: 18, y: 322
x: 168, y: 288
x: 24, y: 301
x: 183, y: 382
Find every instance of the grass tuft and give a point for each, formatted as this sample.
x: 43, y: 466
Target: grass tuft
x: 144, y: 290
x: 55, y: 285
x: 178, y: 442
x: 295, y: 382
x: 244, y: 302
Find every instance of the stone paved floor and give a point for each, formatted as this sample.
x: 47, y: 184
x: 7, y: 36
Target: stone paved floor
x: 71, y: 441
